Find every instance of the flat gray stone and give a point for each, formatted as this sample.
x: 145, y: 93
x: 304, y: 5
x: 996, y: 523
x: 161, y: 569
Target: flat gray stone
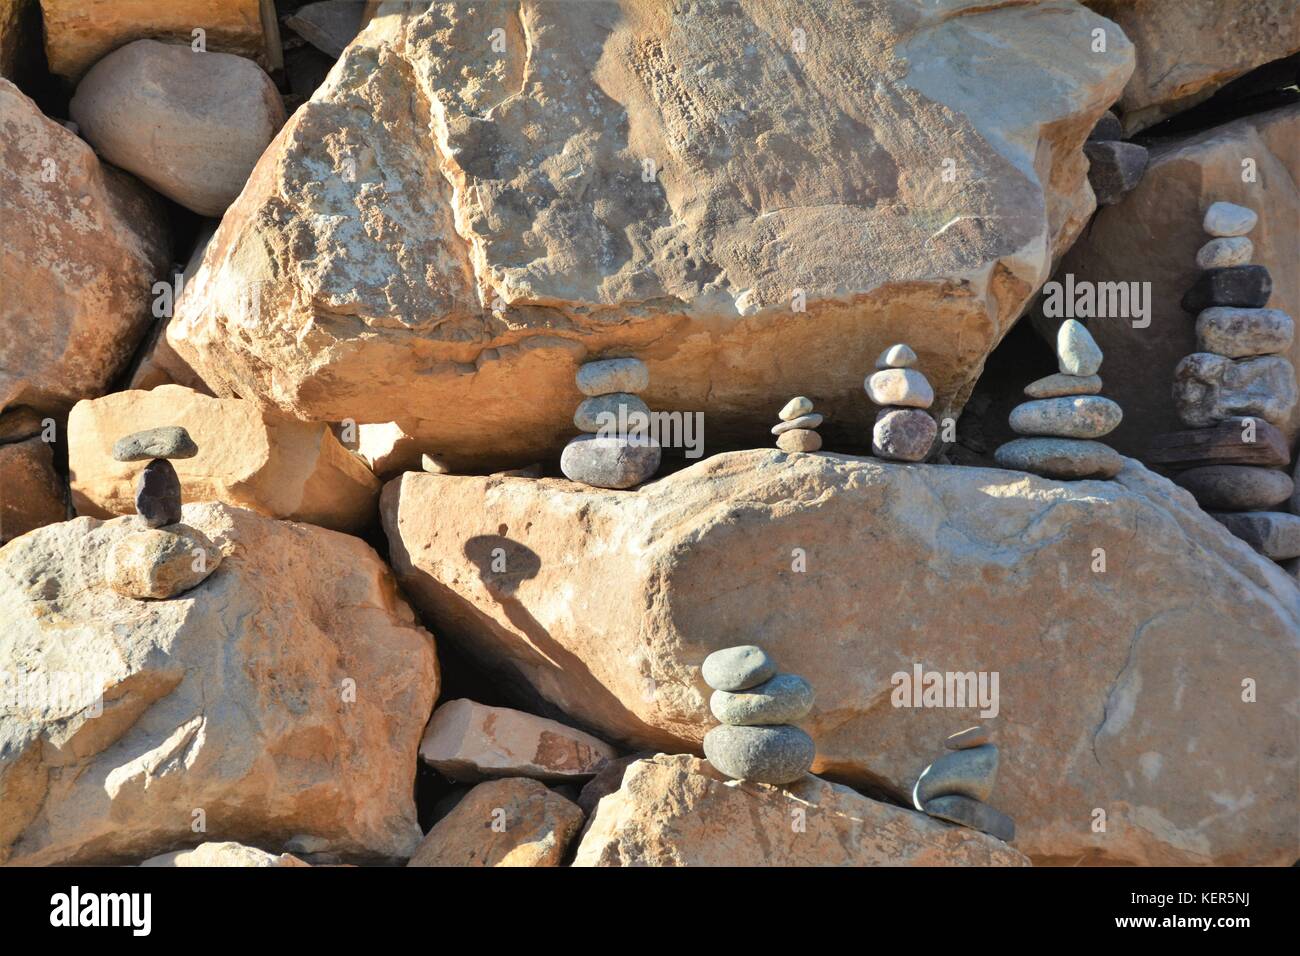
x: 899, y: 387
x: 1274, y: 534
x: 976, y: 736
x: 1210, y: 388
x: 608, y: 412
x: 1077, y: 416
x: 799, y: 439
x: 974, y: 815
x: 158, y: 494
x: 1239, y: 333
x: 803, y: 421
x: 168, y: 441
x: 1062, y: 458
x: 896, y: 356
x: 1059, y: 384
x: 1077, y: 352
x: 1229, y: 219
x: 903, y: 434
x: 613, y: 375
x: 773, y: 755
x: 797, y: 406
x: 1225, y: 253
x: 971, y: 772
x: 1236, y: 487
x: 737, y: 668
x: 610, y: 461
x: 1114, y: 169
x: 1246, y: 287
x: 785, y: 699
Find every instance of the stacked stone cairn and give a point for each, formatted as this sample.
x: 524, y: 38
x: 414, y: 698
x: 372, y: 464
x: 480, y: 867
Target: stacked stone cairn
x: 616, y: 449
x: 757, y: 706
x: 165, y: 557
x: 797, y: 430
x: 1114, y: 167
x: 904, y: 431
x: 956, y: 786
x: 1234, y: 392
x: 1065, y: 416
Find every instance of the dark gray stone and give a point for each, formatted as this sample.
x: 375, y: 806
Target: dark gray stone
x: 970, y: 772
x: 1237, y: 487
x: 1246, y: 287
x: 784, y: 699
x: 1223, y: 443
x: 169, y: 441
x: 774, y: 755
x: 974, y: 815
x: 1114, y: 168
x: 1274, y: 534
x: 737, y: 668
x: 158, y: 494
x: 1108, y: 128
x: 610, y: 461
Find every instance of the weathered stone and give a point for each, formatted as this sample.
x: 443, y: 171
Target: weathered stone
x: 1236, y: 487
x: 387, y: 449
x: 247, y: 458
x: 608, y: 779
x: 1063, y: 458
x: 32, y: 492
x: 1114, y: 169
x: 512, y: 822
x: 328, y: 25
x: 604, y: 413
x: 969, y: 771
x: 471, y: 295
x: 158, y: 494
x: 1225, y: 253
x: 899, y: 387
x: 224, y: 854
x: 1273, y: 534
x: 1086, y: 416
x: 165, y: 441
x: 763, y: 754
x: 1227, y: 219
x: 78, y: 33
x: 1242, y: 286
x: 434, y: 465
x: 1059, y: 384
x: 160, y: 563
x: 785, y: 699
x: 1107, y: 128
x: 610, y: 461
x: 1076, y: 350
x: 82, y: 246
x: 20, y: 423
x: 232, y: 698
x: 973, y: 814
x: 705, y: 555
x: 903, y: 434
x: 976, y: 736
x: 737, y: 668
x: 613, y: 375
x: 466, y: 740
x: 191, y: 125
x: 795, y: 408
x: 678, y: 811
x: 1239, y: 333
x: 896, y: 356
x: 803, y: 421
x: 1234, y: 441
x: 1209, y: 388
x: 799, y: 439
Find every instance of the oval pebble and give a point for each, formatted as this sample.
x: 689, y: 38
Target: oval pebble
x: 1059, y: 384
x: 784, y: 699
x: 737, y: 668
x: 601, y: 413
x: 609, y: 461
x: 1062, y: 458
x: 797, y: 406
x: 1228, y: 219
x: 775, y: 755
x: 799, y: 439
x: 613, y: 375
x: 896, y: 356
x: 1236, y: 487
x: 803, y: 421
x: 1225, y: 252
x: 899, y: 386
x: 1082, y: 416
x: 1077, y: 352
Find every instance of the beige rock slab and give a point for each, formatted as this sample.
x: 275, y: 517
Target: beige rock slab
x: 223, y: 855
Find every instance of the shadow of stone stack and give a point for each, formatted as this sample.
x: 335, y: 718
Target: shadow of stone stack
x: 1234, y: 392
x: 616, y: 449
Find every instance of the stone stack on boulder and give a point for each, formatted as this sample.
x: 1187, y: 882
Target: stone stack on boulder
x: 757, y: 706
x: 1065, y: 416
x: 797, y: 430
x: 616, y: 449
x: 904, y: 431
x: 956, y: 786
x: 1235, y: 392
x: 1114, y: 166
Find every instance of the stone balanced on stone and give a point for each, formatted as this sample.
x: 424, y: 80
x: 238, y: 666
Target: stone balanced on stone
x: 904, y: 431
x: 956, y: 786
x: 616, y: 449
x: 158, y: 492
x: 1065, y: 416
x: 1114, y: 167
x: 757, y: 707
x: 1234, y: 392
x: 798, y: 428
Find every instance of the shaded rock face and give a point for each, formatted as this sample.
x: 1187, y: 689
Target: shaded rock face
x: 1187, y: 49
x: 32, y: 492
x: 678, y: 811
x: 442, y: 220
x: 82, y: 246
x: 266, y: 463
x: 1117, y: 688
x: 247, y: 703
x: 1154, y: 235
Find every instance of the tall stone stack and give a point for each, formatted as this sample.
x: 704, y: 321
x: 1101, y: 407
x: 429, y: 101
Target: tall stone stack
x: 956, y: 786
x: 904, y: 430
x: 616, y: 449
x: 797, y: 430
x: 1234, y: 391
x: 758, y: 707
x: 1065, y: 416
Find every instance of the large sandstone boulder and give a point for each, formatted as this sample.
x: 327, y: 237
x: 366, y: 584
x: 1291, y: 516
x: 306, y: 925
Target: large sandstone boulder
x: 1188, y: 49
x: 191, y: 125
x: 1119, y: 688
x: 675, y: 810
x: 755, y: 198
x: 282, y: 697
x: 82, y: 246
x: 255, y: 460
x: 79, y: 32
x: 1153, y: 237
x: 32, y: 492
